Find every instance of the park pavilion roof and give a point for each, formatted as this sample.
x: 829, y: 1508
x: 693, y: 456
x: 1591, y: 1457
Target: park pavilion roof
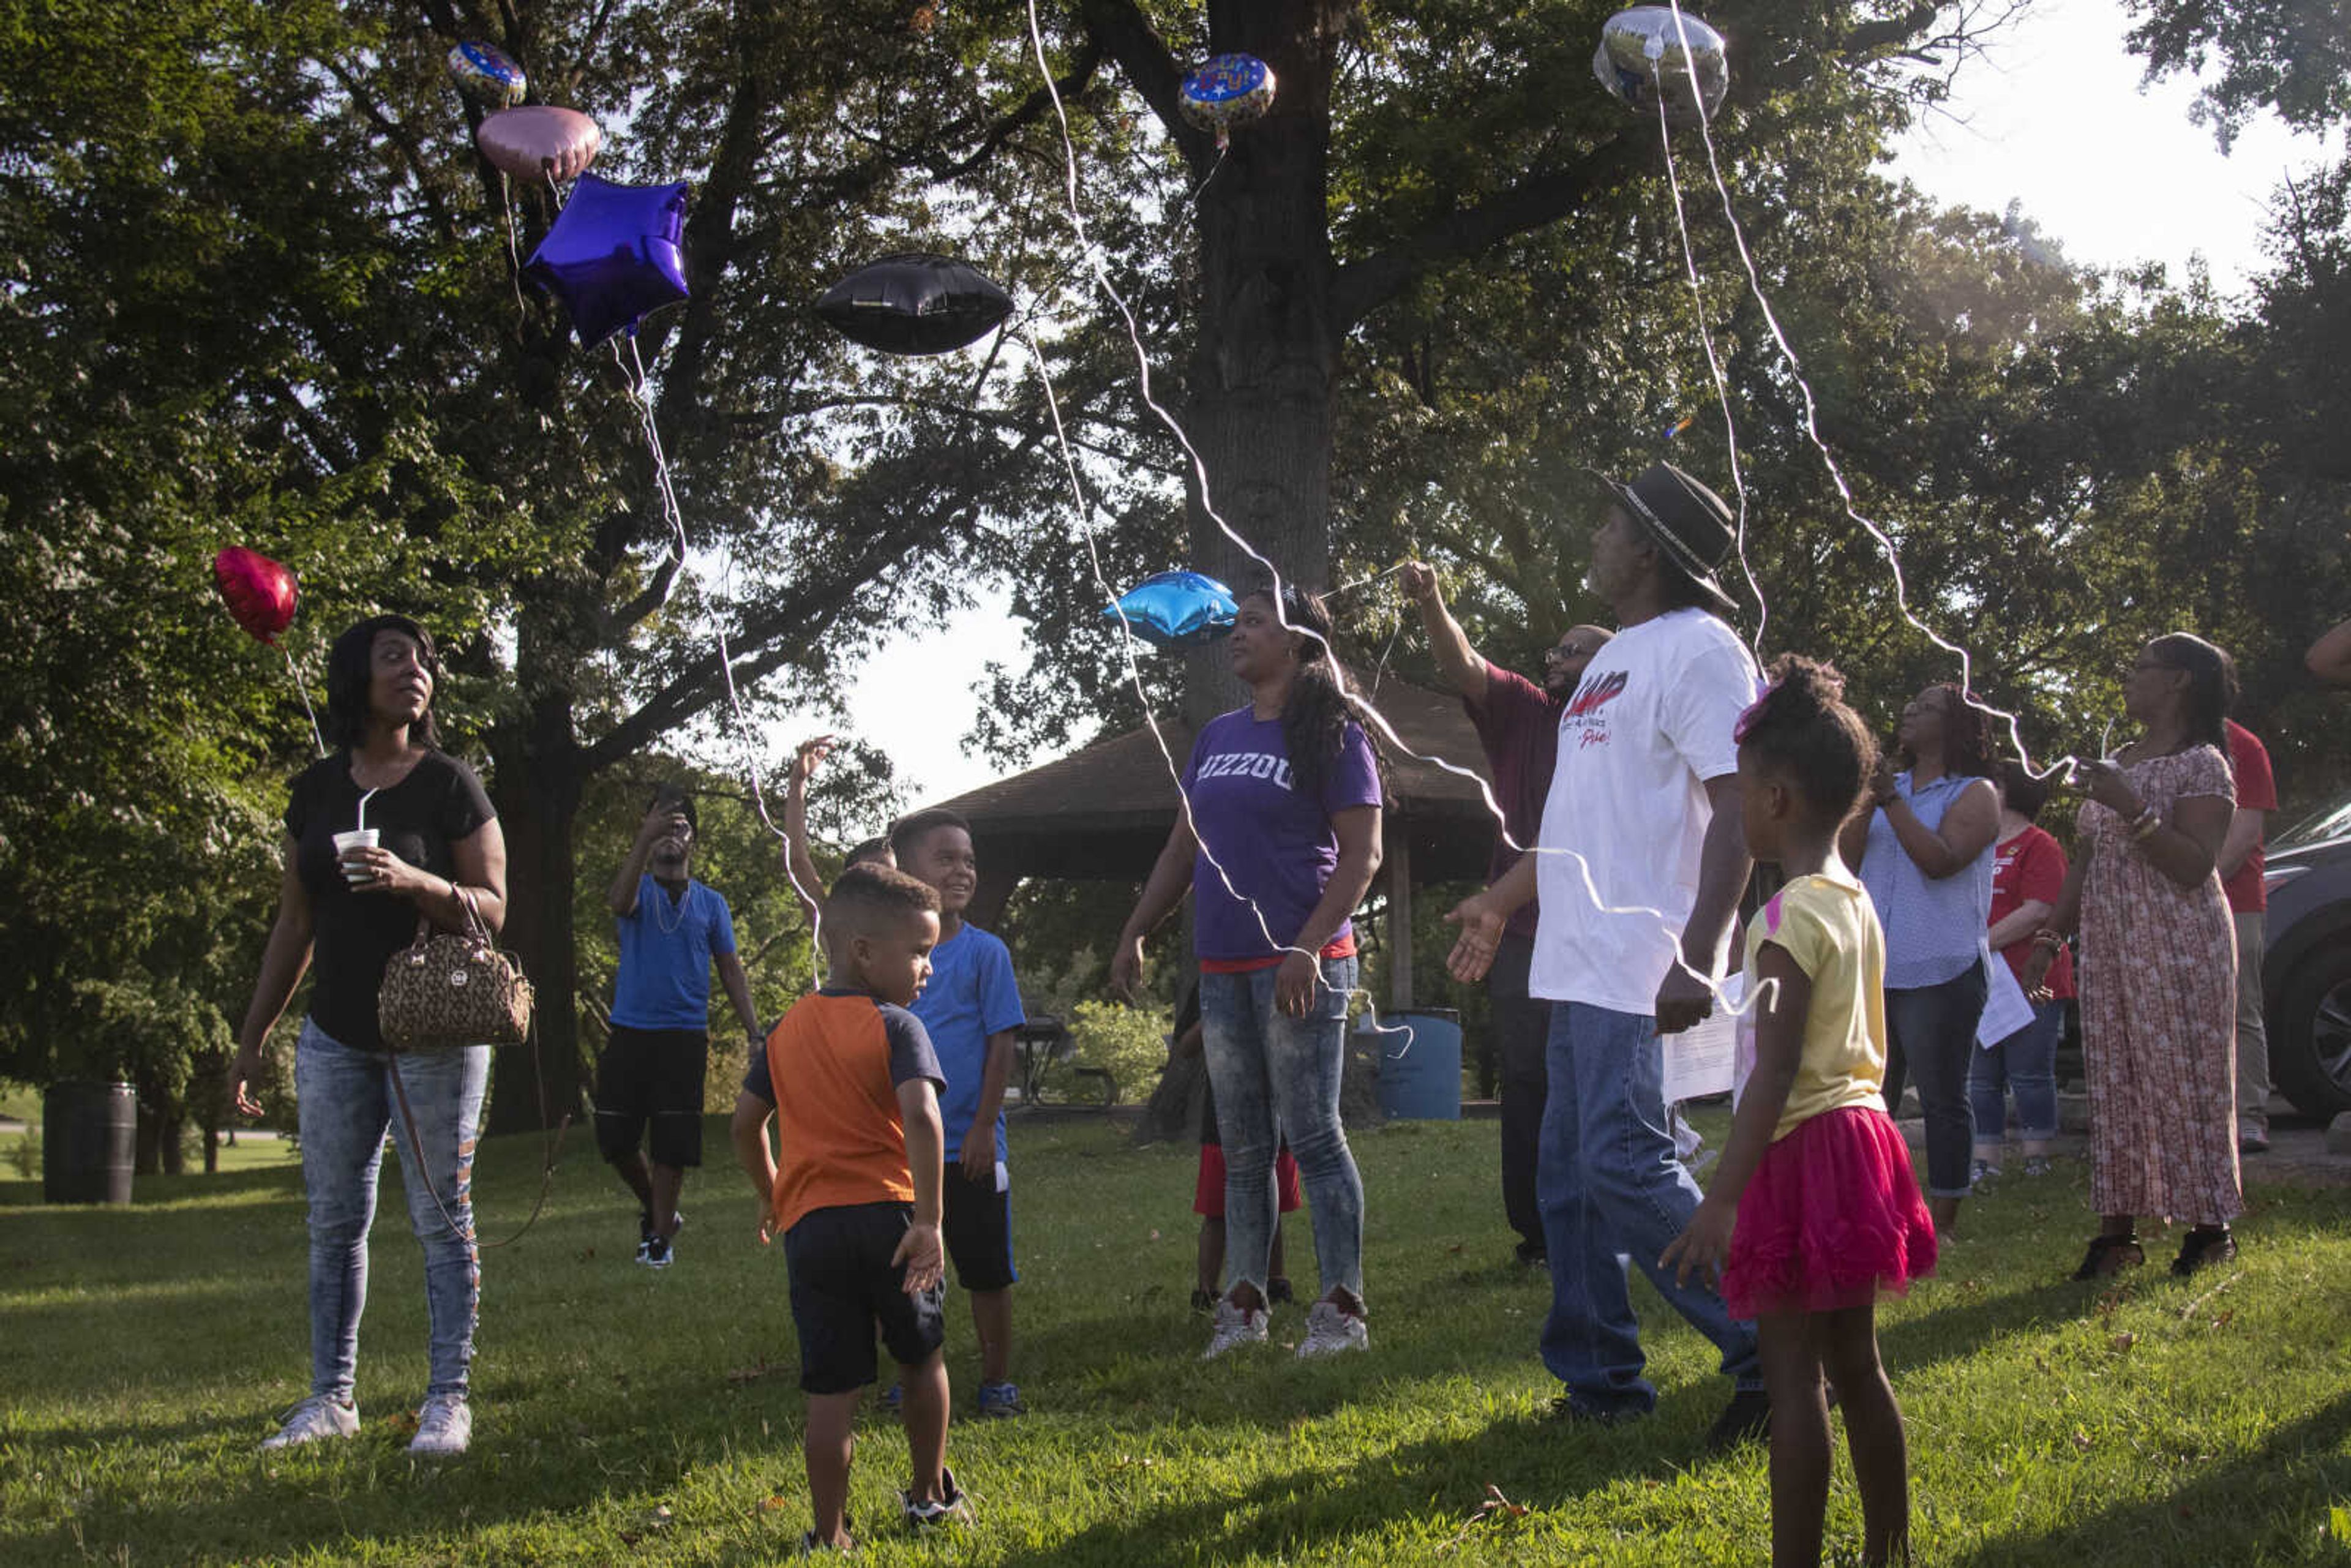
x: 1102, y: 813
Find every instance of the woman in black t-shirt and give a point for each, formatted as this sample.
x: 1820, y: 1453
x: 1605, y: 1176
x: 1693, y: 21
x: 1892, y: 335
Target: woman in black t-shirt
x: 342, y: 913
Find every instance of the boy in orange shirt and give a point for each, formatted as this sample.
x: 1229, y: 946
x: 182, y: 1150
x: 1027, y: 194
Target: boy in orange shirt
x: 856, y: 1196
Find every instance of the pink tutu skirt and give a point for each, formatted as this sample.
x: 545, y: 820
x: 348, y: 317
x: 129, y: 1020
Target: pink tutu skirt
x: 1832, y: 1219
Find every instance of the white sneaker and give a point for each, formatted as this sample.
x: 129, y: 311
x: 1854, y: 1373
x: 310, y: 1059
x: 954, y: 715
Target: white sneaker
x: 1235, y: 1328
x: 443, y: 1427
x: 1330, y: 1330
x: 320, y: 1416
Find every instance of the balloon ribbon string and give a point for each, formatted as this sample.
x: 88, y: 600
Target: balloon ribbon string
x: 1362, y: 708
x: 514, y: 247
x: 635, y: 379
x: 1812, y: 428
x: 300, y: 691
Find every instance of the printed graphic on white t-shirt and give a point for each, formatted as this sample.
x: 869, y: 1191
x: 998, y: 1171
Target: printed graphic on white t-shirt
x: 1626, y: 816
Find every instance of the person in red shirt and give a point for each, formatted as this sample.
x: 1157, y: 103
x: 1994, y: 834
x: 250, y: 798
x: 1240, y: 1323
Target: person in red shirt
x: 2241, y: 862
x: 2028, y: 875
x: 1517, y: 724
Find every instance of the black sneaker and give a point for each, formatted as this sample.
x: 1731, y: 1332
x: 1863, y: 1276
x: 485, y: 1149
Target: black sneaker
x: 1278, y: 1290
x: 1203, y: 1301
x: 1531, y: 1255
x: 655, y: 1254
x: 645, y: 1232
x: 2202, y: 1248
x: 950, y: 1507
x: 1746, y: 1419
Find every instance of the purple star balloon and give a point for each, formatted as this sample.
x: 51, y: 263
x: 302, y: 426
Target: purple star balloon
x: 614, y: 256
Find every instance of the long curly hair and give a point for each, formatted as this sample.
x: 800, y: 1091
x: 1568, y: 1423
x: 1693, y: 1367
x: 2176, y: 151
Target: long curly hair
x: 1801, y: 729
x: 1315, y: 715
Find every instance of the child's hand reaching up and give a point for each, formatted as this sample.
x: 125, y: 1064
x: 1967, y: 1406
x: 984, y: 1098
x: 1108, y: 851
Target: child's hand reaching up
x: 1703, y: 1244
x: 919, y: 1251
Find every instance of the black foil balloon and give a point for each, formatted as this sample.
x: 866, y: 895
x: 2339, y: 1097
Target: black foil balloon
x: 915, y: 304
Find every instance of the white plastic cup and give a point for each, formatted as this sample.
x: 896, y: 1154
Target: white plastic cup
x: 357, y: 839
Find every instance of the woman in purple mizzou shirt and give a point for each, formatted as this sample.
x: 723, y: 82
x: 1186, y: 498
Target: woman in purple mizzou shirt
x: 1279, y: 841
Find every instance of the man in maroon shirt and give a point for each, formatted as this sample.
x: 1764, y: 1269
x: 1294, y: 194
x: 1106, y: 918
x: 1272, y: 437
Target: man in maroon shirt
x: 2241, y: 862
x: 1518, y: 723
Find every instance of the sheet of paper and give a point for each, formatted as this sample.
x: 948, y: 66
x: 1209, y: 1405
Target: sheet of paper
x: 2006, y: 1006
x: 1698, y: 1062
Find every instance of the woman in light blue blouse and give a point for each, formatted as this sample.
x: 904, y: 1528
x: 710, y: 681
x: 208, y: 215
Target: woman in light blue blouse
x: 1925, y: 854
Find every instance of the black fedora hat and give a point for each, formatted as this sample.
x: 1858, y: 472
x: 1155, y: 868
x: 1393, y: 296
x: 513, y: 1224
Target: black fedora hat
x: 1689, y: 523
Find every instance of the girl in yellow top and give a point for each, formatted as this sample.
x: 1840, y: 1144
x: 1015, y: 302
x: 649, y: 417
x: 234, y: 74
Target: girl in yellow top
x: 1814, y: 1211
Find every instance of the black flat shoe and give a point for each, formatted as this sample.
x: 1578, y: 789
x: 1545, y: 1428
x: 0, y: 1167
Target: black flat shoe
x: 2204, y: 1246
x: 2109, y: 1255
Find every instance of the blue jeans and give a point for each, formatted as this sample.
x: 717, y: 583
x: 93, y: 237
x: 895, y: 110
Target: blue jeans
x: 1612, y: 1195
x: 1276, y: 1076
x: 2025, y: 1061
x: 1931, y: 1033
x: 346, y: 1104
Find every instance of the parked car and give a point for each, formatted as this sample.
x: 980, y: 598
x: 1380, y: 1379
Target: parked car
x: 2306, y: 969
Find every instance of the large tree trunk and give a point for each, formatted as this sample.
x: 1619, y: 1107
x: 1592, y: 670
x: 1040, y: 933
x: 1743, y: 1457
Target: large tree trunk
x: 539, y: 775
x: 1257, y: 401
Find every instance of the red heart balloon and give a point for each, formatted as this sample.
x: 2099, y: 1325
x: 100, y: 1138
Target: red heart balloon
x: 260, y: 591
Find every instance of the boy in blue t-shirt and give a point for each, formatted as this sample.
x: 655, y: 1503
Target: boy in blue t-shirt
x: 671, y: 930
x: 970, y: 1009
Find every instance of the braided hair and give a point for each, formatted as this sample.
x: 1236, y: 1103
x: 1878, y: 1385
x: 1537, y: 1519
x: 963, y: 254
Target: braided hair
x: 1802, y: 730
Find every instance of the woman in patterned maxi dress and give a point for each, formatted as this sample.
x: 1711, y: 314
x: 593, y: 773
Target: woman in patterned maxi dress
x: 2158, y: 964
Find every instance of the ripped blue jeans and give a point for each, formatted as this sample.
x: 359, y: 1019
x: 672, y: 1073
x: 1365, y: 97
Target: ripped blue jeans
x: 346, y: 1108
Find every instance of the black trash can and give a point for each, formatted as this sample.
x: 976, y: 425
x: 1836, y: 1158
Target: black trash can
x: 90, y: 1137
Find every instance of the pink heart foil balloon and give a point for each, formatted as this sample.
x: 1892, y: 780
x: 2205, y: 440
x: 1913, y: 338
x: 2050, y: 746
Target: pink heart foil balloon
x: 260, y: 592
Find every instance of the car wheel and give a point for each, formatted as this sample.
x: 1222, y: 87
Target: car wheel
x: 2310, y: 1036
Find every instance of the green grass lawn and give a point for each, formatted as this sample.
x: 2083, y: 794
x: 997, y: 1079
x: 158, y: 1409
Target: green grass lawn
x: 624, y: 1414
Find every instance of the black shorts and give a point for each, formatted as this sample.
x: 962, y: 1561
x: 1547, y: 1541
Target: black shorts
x: 651, y: 1076
x: 844, y: 1288
x: 977, y: 1222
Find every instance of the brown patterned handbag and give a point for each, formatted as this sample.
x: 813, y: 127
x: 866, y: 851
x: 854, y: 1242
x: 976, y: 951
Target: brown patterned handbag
x: 452, y: 988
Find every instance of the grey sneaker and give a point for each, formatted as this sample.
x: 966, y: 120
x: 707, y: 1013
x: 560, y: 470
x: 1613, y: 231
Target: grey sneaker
x: 443, y: 1427
x: 1331, y: 1329
x: 1983, y: 1173
x: 1235, y: 1328
x: 319, y: 1417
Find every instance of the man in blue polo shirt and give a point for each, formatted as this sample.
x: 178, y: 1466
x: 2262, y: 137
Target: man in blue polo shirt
x: 673, y: 928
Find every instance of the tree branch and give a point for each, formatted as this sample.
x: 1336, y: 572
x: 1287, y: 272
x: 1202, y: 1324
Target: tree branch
x: 782, y: 630
x: 1120, y: 30
x: 997, y: 420
x: 1541, y: 198
x: 397, y: 134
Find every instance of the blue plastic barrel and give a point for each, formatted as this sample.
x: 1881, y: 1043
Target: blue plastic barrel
x: 1420, y: 1065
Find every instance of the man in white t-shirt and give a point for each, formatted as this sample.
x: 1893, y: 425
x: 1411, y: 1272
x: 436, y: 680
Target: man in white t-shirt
x: 1640, y: 848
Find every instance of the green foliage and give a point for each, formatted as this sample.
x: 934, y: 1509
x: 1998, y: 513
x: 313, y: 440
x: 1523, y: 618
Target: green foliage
x: 1130, y: 1043
x: 25, y: 1153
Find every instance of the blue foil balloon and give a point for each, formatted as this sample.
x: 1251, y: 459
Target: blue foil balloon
x: 614, y: 256
x: 1178, y: 609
